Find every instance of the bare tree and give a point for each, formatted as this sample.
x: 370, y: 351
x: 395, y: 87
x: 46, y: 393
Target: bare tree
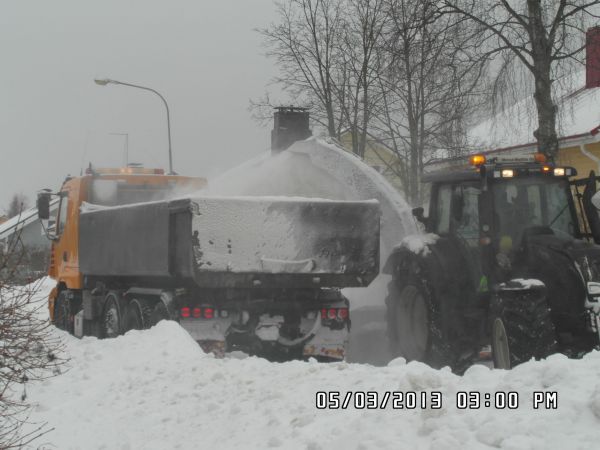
x: 392, y: 71
x: 542, y: 35
x: 28, y: 350
x: 364, y: 22
x: 429, y: 82
x: 305, y: 45
x: 17, y: 205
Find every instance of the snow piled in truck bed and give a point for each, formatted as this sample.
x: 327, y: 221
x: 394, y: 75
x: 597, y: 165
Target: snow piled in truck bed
x: 318, y: 169
x: 156, y: 389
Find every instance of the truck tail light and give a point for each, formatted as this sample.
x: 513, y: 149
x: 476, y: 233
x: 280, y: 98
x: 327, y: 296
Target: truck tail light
x: 334, y: 313
x: 209, y: 313
x: 185, y: 312
x: 197, y: 313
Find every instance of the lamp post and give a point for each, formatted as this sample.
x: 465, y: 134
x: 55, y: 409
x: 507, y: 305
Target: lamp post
x: 126, y: 145
x: 105, y: 81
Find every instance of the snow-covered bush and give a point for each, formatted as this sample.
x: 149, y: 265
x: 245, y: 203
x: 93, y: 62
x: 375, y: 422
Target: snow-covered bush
x: 28, y: 350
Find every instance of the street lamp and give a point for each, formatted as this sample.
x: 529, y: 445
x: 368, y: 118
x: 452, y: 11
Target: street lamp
x: 126, y: 145
x: 105, y: 81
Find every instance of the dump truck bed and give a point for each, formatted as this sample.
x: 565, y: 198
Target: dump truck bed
x: 239, y: 242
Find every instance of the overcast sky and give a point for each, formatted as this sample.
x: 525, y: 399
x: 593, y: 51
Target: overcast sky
x: 203, y: 56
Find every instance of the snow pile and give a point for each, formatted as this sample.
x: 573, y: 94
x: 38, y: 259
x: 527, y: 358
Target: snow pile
x: 156, y: 389
x: 419, y: 243
x: 521, y: 283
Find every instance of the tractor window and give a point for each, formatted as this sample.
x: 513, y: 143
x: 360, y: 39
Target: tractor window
x: 442, y: 209
x: 466, y: 219
x: 532, y: 202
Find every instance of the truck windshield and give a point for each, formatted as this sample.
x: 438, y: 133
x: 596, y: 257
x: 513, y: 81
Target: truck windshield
x: 116, y: 192
x: 532, y: 202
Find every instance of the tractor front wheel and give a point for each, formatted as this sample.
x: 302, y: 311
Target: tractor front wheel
x: 521, y: 326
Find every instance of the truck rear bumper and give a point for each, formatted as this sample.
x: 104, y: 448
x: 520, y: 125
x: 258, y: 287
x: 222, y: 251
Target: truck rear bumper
x: 318, y: 336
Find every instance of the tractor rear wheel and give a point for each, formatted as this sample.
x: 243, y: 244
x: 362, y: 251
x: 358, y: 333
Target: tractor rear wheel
x: 415, y: 325
x: 521, y: 327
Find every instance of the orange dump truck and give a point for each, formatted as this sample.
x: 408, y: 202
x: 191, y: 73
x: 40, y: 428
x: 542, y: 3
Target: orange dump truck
x: 132, y: 246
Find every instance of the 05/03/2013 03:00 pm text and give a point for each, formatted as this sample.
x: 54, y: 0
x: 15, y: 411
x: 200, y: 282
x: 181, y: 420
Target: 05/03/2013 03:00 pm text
x: 432, y: 400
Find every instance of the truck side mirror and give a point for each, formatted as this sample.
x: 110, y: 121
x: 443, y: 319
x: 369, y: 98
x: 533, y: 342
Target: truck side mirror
x: 43, y: 205
x: 418, y: 214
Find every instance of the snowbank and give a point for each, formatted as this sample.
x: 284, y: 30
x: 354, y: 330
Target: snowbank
x: 156, y: 389
x: 418, y: 243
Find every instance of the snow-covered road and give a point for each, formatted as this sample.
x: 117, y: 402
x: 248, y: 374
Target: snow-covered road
x: 156, y: 389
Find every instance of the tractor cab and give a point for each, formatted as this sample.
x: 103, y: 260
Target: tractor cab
x: 494, y: 207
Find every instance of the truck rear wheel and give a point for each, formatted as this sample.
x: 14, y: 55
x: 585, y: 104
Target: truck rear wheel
x: 62, y: 313
x: 112, y: 316
x: 160, y: 312
x: 521, y: 327
x: 137, y: 315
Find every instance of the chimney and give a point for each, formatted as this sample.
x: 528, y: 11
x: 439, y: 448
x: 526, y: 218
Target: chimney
x: 291, y: 125
x: 592, y: 58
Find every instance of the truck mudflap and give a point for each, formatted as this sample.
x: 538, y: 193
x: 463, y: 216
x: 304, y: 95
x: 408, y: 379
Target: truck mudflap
x: 321, y: 332
x: 328, y: 343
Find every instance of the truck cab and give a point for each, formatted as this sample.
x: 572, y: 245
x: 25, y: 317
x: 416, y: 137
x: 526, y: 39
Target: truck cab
x: 99, y: 187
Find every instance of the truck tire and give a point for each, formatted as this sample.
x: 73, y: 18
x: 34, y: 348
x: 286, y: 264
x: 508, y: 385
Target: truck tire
x: 415, y: 326
x: 62, y: 313
x: 137, y: 315
x: 160, y: 312
x: 112, y: 320
x: 521, y: 328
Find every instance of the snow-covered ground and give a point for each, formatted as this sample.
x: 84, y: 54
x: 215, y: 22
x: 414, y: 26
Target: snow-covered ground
x: 156, y: 389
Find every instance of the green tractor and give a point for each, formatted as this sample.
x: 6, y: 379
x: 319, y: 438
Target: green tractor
x: 506, y: 270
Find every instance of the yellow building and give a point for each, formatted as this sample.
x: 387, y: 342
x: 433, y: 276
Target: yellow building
x: 378, y: 156
x: 581, y: 151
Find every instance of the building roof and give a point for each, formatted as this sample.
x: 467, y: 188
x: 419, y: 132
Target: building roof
x: 578, y: 114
